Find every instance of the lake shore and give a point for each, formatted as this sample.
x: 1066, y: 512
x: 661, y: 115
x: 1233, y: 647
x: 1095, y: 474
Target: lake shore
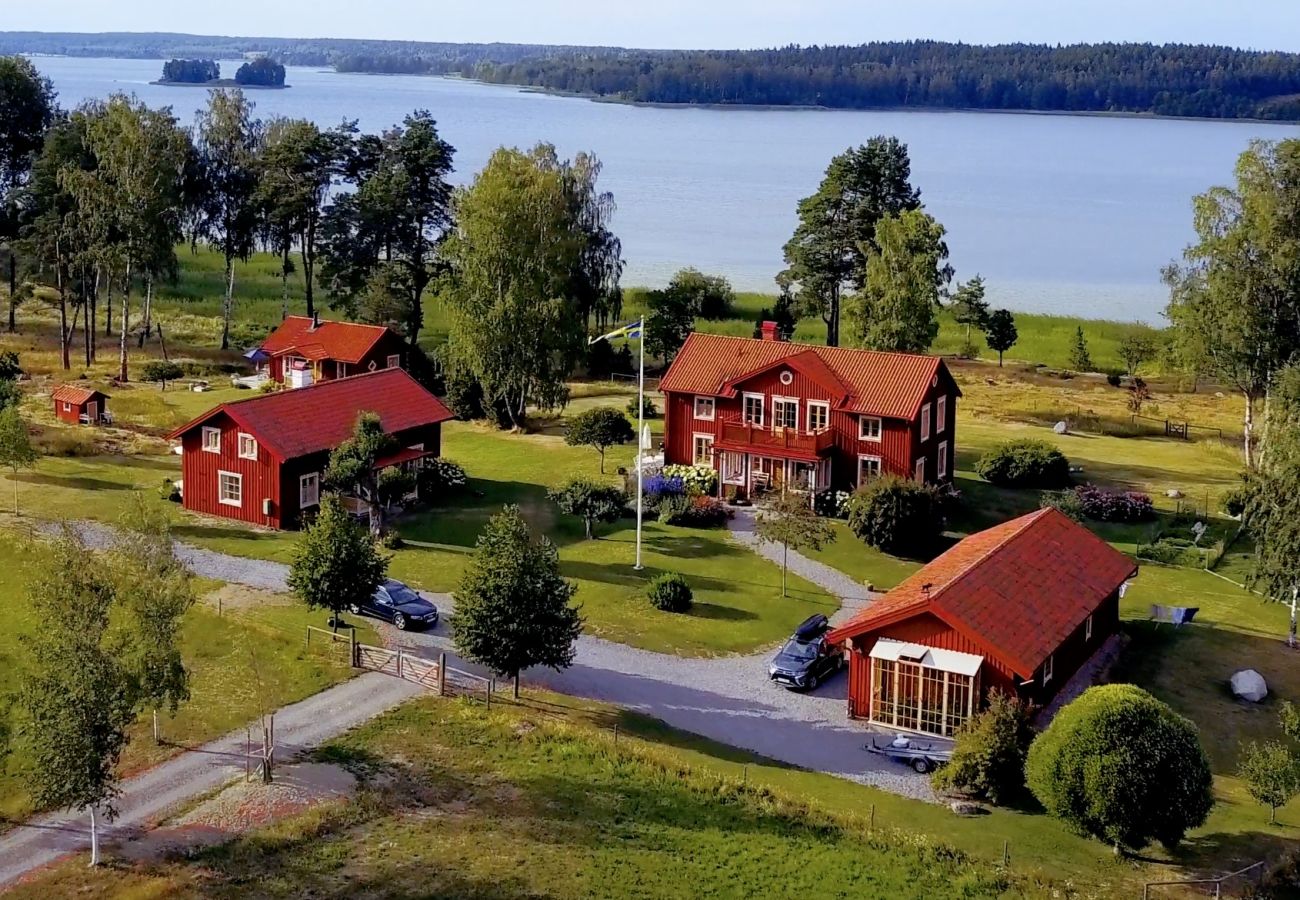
x: 223, y: 83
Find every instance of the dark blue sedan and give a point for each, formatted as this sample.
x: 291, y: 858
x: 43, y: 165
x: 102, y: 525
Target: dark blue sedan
x: 395, y: 602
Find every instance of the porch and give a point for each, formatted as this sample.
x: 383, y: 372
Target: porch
x: 927, y: 690
x: 755, y: 475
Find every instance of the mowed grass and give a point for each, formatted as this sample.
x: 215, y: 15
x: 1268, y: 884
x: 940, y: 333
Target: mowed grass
x: 532, y: 801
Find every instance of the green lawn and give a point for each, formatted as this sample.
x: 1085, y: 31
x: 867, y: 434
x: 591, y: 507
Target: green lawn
x: 865, y: 564
x: 241, y: 663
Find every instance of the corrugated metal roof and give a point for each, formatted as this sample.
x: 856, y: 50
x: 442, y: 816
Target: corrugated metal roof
x: 892, y: 385
x: 344, y: 341
x: 299, y: 422
x: 71, y: 393
x: 1019, y: 588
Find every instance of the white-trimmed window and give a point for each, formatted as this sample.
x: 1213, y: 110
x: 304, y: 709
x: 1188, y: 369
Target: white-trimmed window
x: 341, y: 370
x: 869, y: 428
x: 394, y: 360
x: 309, y: 490
x: 943, y: 460
x: 1087, y: 629
x: 247, y: 446
x: 925, y: 422
x: 230, y: 488
x: 785, y: 413
x: 868, y: 468
x: 819, y: 415
x: 753, y: 409
x: 919, y: 472
x: 705, y: 408
x: 702, y: 450
x: 1047, y: 668
x: 67, y: 407
x: 940, y: 415
x: 211, y: 440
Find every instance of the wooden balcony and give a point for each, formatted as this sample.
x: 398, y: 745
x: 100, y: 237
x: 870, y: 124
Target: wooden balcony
x: 780, y: 441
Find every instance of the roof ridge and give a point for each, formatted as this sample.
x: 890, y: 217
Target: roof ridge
x: 315, y: 384
x: 324, y: 322
x: 1027, y: 519
x: 816, y: 348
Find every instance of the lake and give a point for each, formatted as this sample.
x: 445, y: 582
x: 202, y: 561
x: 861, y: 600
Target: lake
x: 1060, y: 214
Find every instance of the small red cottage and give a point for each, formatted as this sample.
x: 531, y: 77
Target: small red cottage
x: 1016, y: 608
x: 80, y: 405
x: 304, y: 350
x: 770, y: 414
x: 261, y: 460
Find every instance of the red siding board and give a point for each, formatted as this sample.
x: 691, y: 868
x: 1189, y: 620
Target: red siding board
x: 199, y: 471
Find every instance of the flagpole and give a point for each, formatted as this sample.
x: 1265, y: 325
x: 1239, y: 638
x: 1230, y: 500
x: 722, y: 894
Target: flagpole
x: 640, y: 442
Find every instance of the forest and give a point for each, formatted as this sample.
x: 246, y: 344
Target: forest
x: 1171, y: 79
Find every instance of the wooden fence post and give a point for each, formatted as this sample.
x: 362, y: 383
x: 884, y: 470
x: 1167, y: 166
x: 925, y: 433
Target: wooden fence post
x: 156, y: 739
x: 871, y: 823
x: 1006, y: 853
x: 487, y: 694
x: 399, y: 662
x: 354, y: 652
x: 442, y: 674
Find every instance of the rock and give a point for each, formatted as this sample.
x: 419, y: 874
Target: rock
x: 1061, y: 428
x: 966, y: 808
x: 1174, y: 494
x: 1249, y: 685
x: 1218, y: 395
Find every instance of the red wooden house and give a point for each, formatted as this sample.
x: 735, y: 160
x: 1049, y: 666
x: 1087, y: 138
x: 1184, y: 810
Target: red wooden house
x: 261, y: 460
x: 767, y: 414
x: 306, y: 350
x: 1016, y: 608
x: 80, y: 405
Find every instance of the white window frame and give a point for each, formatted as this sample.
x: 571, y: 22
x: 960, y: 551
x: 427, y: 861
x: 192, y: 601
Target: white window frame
x: 1087, y: 629
x: 695, y: 448
x: 211, y: 446
x: 867, y: 457
x: 394, y: 360
x: 239, y: 483
x: 1049, y: 665
x: 943, y: 460
x: 918, y: 471
x: 825, y: 407
x: 247, y: 454
x: 877, y: 426
x: 67, y: 406
x: 762, y: 409
x: 341, y: 370
x: 776, y: 420
x: 712, y: 405
x: 940, y: 415
x: 302, y: 498
x: 925, y: 422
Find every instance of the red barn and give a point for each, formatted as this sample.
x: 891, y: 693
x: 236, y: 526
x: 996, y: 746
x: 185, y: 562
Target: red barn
x: 261, y: 460
x: 306, y: 350
x: 80, y: 405
x: 768, y: 414
x: 1016, y: 608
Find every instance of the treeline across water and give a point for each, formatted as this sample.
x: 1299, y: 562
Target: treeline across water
x: 1173, y: 80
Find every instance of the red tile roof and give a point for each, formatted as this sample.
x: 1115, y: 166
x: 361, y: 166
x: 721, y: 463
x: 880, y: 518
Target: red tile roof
x: 299, y: 422
x: 71, y: 393
x: 892, y: 385
x: 344, y: 341
x: 1019, y: 589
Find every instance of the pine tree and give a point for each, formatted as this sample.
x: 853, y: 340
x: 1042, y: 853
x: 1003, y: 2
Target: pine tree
x: 1080, y: 359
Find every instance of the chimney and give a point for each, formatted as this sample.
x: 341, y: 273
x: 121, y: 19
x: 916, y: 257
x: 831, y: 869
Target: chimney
x: 315, y: 321
x: 769, y: 331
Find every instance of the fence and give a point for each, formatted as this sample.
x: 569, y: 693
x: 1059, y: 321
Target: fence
x: 1253, y: 872
x: 434, y: 675
x: 1181, y: 430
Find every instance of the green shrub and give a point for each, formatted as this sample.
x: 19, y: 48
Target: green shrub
x: 1067, y: 502
x: 161, y: 371
x: 1120, y: 766
x: 168, y: 491
x: 648, y: 405
x: 988, y: 754
x: 670, y: 592
x: 1025, y: 463
x: 1235, y: 499
x: 694, y: 512
x: 440, y: 478
x: 896, y: 515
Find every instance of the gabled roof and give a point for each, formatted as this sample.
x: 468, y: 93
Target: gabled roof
x: 294, y: 423
x: 1018, y: 589
x: 71, y: 393
x: 344, y: 341
x: 891, y: 385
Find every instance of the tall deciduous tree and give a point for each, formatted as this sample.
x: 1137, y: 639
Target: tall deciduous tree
x: 826, y: 257
x: 514, y: 253
x: 16, y: 450
x: 594, y: 282
x: 1000, y: 332
x: 897, y: 307
x: 1235, y: 296
x: 229, y: 140
x: 791, y: 522
x: 399, y: 214
x: 336, y: 565
x: 513, y: 609
x: 75, y: 702
x: 352, y: 465
x: 27, y: 110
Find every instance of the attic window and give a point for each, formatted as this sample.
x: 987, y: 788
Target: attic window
x: 211, y: 440
x: 247, y: 446
x: 869, y: 428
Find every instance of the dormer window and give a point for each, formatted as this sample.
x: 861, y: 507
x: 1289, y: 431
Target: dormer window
x: 705, y: 408
x: 869, y: 428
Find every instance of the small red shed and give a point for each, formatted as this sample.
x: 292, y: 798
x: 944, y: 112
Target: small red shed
x: 80, y: 405
x: 1017, y: 608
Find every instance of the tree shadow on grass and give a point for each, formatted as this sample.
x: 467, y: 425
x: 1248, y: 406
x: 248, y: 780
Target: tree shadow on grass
x: 73, y: 482
x: 190, y: 532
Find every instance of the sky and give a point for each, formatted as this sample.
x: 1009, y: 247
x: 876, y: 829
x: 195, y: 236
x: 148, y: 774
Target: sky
x: 1258, y: 24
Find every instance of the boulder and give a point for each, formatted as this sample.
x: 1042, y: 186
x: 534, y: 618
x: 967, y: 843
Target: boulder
x: 1248, y: 684
x: 1174, y: 494
x: 1061, y: 428
x: 966, y: 808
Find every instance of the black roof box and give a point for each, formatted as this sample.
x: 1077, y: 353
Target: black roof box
x: 812, y: 627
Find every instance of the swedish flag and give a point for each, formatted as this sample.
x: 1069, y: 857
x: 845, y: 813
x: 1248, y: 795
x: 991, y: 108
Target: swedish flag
x: 630, y: 332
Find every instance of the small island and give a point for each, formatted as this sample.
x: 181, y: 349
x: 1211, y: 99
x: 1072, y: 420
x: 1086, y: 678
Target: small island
x: 262, y: 72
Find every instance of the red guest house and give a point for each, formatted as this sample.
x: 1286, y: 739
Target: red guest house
x: 261, y: 460
x: 1017, y: 608
x: 304, y: 350
x: 769, y: 414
